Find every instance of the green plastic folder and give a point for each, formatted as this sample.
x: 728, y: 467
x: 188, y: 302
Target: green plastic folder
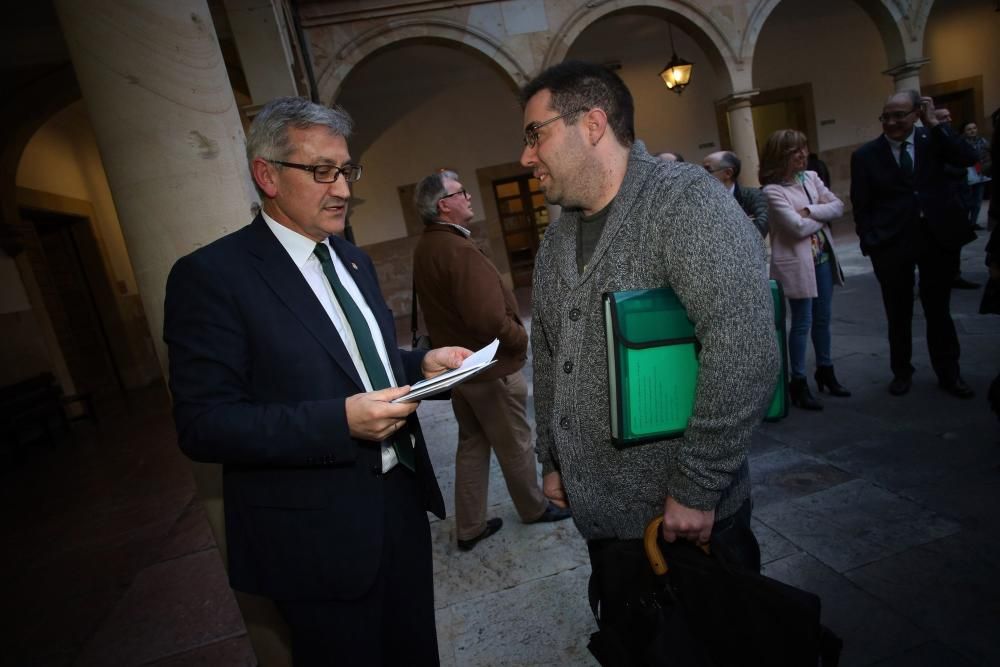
x: 779, y: 402
x: 653, y: 364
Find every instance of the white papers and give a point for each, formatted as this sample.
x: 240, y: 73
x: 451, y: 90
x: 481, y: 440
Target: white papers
x: 473, y: 365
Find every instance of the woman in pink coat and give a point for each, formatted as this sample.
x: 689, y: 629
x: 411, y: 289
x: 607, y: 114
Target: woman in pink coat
x: 803, y: 258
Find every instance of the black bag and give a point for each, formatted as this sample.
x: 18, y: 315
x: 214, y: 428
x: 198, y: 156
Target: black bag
x: 419, y: 341
x: 700, y: 612
x: 991, y: 298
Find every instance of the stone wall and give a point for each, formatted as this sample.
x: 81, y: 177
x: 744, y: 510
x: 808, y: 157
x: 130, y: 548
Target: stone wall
x: 394, y: 264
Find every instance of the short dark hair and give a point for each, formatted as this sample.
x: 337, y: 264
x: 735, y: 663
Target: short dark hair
x: 577, y: 85
x: 728, y: 160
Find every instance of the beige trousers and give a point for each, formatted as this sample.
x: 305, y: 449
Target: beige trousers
x: 492, y: 415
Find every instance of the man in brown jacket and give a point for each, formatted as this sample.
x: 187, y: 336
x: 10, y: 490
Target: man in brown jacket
x: 464, y: 300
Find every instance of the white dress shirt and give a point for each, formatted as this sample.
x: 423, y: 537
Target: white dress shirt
x: 897, y: 145
x: 301, y: 249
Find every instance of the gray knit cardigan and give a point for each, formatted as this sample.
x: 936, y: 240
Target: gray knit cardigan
x: 671, y: 224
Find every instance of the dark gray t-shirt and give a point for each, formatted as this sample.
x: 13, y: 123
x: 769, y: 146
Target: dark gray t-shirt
x: 588, y: 233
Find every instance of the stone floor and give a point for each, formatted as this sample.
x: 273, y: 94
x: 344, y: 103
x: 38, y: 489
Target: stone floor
x: 884, y: 506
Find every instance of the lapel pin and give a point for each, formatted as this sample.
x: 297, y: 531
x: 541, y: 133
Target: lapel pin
x: 354, y: 266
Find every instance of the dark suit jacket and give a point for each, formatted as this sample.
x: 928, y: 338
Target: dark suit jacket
x: 754, y: 203
x: 886, y: 201
x: 259, y: 377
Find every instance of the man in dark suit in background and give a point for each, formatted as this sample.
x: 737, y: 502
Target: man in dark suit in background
x: 908, y: 217
x: 283, y: 363
x: 725, y: 167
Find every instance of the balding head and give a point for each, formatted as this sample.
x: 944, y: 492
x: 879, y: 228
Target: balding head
x: 724, y: 165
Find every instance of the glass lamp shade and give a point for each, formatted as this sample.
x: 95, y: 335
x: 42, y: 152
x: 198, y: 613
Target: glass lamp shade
x: 677, y: 74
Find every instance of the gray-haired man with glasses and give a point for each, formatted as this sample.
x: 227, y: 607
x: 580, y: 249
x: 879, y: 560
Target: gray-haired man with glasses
x: 283, y: 366
x: 465, y: 302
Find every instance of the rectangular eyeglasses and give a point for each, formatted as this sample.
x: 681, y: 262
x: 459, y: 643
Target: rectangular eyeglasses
x: 325, y: 173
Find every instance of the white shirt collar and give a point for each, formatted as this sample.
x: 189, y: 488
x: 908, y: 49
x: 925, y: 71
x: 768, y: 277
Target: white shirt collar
x: 466, y: 232
x: 732, y: 187
x: 896, y: 144
x: 300, y: 248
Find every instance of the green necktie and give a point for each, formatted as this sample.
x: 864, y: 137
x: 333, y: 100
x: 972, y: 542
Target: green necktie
x: 366, y: 346
x: 905, y: 161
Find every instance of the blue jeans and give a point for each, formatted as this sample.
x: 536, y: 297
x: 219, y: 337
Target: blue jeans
x: 975, y: 201
x: 812, y: 314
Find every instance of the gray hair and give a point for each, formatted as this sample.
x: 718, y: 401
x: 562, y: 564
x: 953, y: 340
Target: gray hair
x: 912, y: 95
x: 268, y: 135
x: 728, y: 160
x: 428, y: 193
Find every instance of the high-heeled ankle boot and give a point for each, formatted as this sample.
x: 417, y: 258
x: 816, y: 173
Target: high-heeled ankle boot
x: 802, y: 397
x: 826, y: 378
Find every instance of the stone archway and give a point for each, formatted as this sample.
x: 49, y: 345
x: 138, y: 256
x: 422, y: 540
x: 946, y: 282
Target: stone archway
x: 366, y: 44
x: 902, y: 32
x: 714, y: 32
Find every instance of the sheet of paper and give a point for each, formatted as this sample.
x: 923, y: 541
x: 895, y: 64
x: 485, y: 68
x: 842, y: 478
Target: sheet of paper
x: 474, y: 364
x: 475, y: 360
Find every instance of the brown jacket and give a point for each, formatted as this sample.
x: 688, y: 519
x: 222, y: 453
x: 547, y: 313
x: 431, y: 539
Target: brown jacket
x: 464, y: 301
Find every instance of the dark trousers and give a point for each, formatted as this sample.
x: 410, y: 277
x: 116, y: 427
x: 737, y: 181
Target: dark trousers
x: 894, y: 265
x: 392, y: 623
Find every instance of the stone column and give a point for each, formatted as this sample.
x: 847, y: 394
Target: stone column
x: 907, y: 75
x: 743, y: 137
x: 261, y: 37
x: 159, y: 98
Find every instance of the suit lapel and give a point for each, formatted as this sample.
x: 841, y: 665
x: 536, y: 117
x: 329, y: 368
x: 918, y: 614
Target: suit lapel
x: 886, y: 159
x: 284, y: 278
x: 921, y: 157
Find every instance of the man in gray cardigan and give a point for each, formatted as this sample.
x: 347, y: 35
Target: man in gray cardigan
x: 630, y: 221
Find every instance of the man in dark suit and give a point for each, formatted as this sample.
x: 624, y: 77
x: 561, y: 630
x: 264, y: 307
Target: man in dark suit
x: 283, y: 363
x: 725, y: 167
x: 907, y: 216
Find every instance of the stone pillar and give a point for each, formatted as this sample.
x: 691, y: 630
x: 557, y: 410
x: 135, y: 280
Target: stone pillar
x: 743, y: 137
x: 907, y: 75
x: 159, y: 98
x: 261, y: 37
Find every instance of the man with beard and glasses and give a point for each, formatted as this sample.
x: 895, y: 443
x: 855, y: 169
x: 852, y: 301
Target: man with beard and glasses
x: 630, y: 221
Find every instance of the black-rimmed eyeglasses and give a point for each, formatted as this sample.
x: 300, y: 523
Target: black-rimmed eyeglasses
x: 325, y: 173
x: 531, y: 129
x: 457, y: 192
x: 895, y: 116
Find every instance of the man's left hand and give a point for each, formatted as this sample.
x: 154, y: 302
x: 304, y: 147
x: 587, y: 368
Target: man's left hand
x: 686, y: 522
x: 441, y: 359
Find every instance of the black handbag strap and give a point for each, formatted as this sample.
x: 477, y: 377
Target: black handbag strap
x: 413, y: 310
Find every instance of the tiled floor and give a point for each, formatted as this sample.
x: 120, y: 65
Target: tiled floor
x: 884, y: 506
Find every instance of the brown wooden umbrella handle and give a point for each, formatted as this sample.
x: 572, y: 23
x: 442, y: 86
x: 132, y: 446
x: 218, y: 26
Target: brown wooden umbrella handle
x: 653, y: 553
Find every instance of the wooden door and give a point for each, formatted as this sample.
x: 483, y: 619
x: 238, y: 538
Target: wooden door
x: 523, y: 218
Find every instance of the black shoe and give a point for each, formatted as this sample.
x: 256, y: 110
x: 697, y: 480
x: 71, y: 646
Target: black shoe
x: 958, y: 388
x: 962, y: 283
x: 900, y: 385
x: 492, y: 526
x: 825, y: 377
x: 553, y: 513
x: 801, y: 396
x: 978, y: 227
